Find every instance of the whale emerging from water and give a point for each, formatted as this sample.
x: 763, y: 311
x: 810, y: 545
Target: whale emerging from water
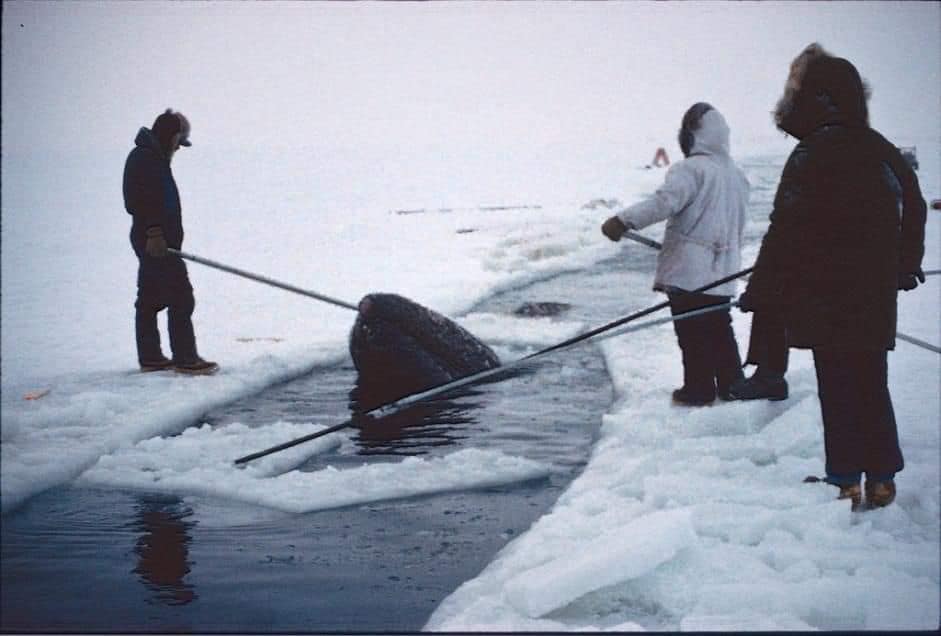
x: 400, y: 347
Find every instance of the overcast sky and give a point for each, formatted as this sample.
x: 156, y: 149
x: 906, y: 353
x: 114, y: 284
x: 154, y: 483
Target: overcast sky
x: 443, y: 73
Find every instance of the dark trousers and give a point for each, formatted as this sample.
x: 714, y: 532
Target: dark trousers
x: 859, y: 430
x: 767, y: 344
x: 710, y: 352
x: 163, y: 283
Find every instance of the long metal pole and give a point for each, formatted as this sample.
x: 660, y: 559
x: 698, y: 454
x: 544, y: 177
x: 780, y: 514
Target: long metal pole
x: 262, y: 279
x: 640, y: 238
x: 311, y: 294
x: 901, y: 336
x: 917, y: 342
x: 635, y: 316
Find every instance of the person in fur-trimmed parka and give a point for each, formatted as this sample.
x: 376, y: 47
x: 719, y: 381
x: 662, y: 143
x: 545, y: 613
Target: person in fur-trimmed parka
x: 846, y: 232
x: 704, y: 198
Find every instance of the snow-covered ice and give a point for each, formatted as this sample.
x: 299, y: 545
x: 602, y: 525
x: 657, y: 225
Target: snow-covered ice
x: 199, y: 461
x: 731, y: 538
x: 681, y: 520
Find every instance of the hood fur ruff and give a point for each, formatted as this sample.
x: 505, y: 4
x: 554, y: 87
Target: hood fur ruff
x: 795, y: 78
x: 797, y: 112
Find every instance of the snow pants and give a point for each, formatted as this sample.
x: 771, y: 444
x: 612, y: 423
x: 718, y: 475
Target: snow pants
x: 711, y: 361
x: 163, y: 283
x: 859, y: 430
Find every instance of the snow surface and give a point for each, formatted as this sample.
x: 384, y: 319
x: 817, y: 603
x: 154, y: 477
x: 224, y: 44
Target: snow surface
x: 682, y: 519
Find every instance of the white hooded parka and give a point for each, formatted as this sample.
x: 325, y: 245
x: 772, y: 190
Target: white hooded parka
x: 704, y: 197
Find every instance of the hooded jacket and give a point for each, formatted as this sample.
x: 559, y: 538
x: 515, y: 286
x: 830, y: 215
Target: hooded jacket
x: 848, y: 217
x: 150, y: 193
x: 704, y: 198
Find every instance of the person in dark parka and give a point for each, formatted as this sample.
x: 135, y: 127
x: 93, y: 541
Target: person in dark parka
x: 846, y: 232
x: 152, y: 198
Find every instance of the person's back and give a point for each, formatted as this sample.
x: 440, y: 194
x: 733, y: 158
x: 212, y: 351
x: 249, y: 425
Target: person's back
x: 722, y: 185
x: 848, y: 254
x: 704, y: 199
x: 837, y: 237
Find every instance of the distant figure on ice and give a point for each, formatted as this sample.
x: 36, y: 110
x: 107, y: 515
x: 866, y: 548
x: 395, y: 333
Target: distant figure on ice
x: 847, y: 232
x: 660, y: 158
x: 152, y: 198
x: 704, y: 196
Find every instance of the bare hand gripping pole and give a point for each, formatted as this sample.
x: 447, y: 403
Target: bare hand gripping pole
x: 262, y: 279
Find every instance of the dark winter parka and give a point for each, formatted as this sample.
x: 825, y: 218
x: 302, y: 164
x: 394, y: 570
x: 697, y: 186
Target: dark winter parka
x: 150, y: 193
x: 848, y: 217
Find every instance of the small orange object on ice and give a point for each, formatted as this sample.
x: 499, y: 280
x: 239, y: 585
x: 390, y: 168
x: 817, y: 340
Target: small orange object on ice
x: 35, y: 395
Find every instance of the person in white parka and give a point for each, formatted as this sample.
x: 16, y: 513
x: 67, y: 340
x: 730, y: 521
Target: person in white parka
x: 703, y: 198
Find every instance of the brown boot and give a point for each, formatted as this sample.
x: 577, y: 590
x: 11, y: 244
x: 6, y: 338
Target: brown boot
x: 879, y: 494
x: 196, y: 367
x: 854, y: 493
x: 160, y: 364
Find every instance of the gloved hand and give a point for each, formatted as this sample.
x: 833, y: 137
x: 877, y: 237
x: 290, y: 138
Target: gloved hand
x: 909, y: 280
x: 613, y: 228
x: 156, y: 244
x: 745, y: 303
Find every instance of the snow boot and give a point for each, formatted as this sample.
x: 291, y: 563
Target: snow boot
x: 160, y: 364
x: 847, y: 491
x: 759, y: 386
x: 686, y: 397
x: 879, y: 494
x: 854, y: 493
x: 196, y: 367
x: 725, y: 394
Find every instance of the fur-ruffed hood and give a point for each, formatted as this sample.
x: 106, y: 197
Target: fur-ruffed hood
x: 821, y: 89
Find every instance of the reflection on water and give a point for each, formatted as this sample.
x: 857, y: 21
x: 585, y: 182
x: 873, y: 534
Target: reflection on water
x: 414, y: 430
x: 422, y: 427
x: 163, y: 550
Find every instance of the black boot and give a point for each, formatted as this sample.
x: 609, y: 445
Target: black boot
x: 687, y: 397
x: 694, y: 337
x: 762, y: 385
